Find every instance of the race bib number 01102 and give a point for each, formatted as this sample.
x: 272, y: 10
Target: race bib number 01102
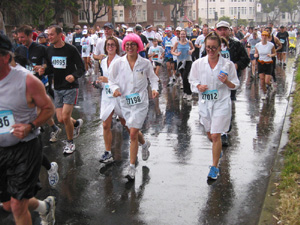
x: 59, y: 62
x: 210, y: 95
x: 6, y: 121
x: 133, y: 99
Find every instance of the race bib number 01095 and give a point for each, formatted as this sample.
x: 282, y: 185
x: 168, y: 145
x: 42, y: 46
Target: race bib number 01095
x: 133, y: 99
x: 59, y: 62
x: 210, y: 95
x: 6, y: 121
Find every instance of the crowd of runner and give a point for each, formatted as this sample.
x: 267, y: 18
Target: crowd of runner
x: 207, y: 61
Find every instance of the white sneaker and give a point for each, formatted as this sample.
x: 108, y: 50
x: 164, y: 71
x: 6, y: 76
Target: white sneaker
x: 49, y: 217
x: 87, y: 73
x: 145, y: 150
x: 263, y: 96
x: 170, y: 82
x: 77, y: 129
x: 184, y: 96
x: 69, y: 148
x: 54, y: 135
x: 53, y: 176
x: 131, y: 173
x: 189, y: 98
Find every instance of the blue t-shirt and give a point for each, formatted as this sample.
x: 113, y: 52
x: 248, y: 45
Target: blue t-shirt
x: 168, y: 44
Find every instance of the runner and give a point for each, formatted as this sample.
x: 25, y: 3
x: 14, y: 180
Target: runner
x: 264, y: 51
x: 156, y: 55
x: 128, y: 79
x: 212, y: 77
x: 67, y: 66
x: 20, y: 148
x: 86, y: 50
x: 252, y: 42
x: 184, y: 53
x: 283, y: 37
x: 167, y: 45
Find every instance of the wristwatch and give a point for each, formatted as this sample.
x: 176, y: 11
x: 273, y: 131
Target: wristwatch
x: 32, y: 127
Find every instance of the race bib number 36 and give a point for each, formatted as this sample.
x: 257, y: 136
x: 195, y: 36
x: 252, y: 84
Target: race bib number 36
x: 210, y: 95
x: 133, y: 99
x: 6, y: 121
x: 59, y: 62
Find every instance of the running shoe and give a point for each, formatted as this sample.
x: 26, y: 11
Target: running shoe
x: 145, y: 150
x: 263, y: 96
x: 69, y: 148
x: 170, y: 82
x: 131, y: 173
x: 224, y: 139
x: 213, y: 173
x: 184, y: 96
x: 54, y: 135
x: 77, y: 129
x: 106, y: 157
x: 49, y: 217
x: 53, y: 176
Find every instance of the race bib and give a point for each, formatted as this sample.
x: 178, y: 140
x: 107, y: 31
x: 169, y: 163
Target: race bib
x: 6, y: 121
x: 210, y: 95
x: 133, y: 99
x: 108, y: 91
x: 78, y: 39
x: 253, y: 47
x: 59, y: 62
x: 282, y: 41
x: 168, y: 44
x: 84, y: 48
x: 225, y: 54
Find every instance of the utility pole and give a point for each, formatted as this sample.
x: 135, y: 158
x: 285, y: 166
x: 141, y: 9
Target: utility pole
x: 113, y: 12
x: 207, y: 12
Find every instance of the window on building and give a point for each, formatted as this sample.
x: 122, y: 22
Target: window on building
x: 162, y: 14
x: 235, y: 11
x: 190, y: 13
x: 121, y: 14
x: 138, y: 14
x: 130, y: 14
x: 144, y: 15
x: 155, y: 14
x: 222, y: 11
x: 250, y: 10
x: 81, y: 15
x: 153, y: 1
x: 194, y: 14
x: 115, y: 13
x: 283, y: 15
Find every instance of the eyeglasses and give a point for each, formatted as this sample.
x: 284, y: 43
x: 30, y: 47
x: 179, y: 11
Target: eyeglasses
x: 213, y: 48
x: 111, y: 45
x: 132, y: 44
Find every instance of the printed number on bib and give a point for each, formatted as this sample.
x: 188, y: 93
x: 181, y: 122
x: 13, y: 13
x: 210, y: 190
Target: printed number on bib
x: 108, y: 91
x: 225, y: 54
x: 253, y: 47
x: 210, y: 95
x: 133, y: 99
x: 77, y: 39
x: 6, y: 121
x: 282, y: 41
x: 59, y: 62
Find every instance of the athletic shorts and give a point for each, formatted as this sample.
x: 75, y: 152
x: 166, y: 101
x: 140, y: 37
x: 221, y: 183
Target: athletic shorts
x: 168, y: 59
x: 20, y: 166
x: 252, y: 57
x: 62, y: 97
x: 265, y: 68
x: 283, y: 49
x: 157, y: 64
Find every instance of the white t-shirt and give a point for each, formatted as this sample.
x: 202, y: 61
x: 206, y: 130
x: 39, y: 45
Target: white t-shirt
x: 158, y: 51
x: 264, y: 50
x: 86, y: 43
x: 99, y: 49
x: 200, y: 41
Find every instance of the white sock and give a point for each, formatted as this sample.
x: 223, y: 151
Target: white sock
x: 144, y: 145
x: 132, y: 165
x: 42, y: 208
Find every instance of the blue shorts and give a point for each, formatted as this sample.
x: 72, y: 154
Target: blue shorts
x: 62, y: 97
x: 252, y: 57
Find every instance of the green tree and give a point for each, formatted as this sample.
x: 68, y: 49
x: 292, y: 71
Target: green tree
x: 242, y: 22
x: 225, y: 18
x: 199, y: 21
x: 177, y: 7
x: 60, y: 6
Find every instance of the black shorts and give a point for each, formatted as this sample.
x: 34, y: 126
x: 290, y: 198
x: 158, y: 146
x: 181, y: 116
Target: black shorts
x: 157, y: 64
x: 19, y: 170
x: 168, y: 60
x: 283, y: 49
x: 265, y: 68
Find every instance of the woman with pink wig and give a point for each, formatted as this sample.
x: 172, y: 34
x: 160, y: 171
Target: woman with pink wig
x: 128, y: 79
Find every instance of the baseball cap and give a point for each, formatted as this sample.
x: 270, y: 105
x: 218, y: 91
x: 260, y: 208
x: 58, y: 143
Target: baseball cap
x: 178, y: 29
x: 109, y: 25
x: 85, y: 27
x: 130, y: 29
x: 223, y: 24
x: 138, y: 27
x: 5, y: 42
x: 77, y: 27
x: 84, y: 32
x: 168, y: 29
x: 43, y: 35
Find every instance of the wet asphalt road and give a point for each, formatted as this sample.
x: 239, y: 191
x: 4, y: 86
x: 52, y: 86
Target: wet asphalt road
x: 171, y: 187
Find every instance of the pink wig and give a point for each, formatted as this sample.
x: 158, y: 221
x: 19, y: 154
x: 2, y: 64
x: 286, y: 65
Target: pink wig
x: 133, y: 38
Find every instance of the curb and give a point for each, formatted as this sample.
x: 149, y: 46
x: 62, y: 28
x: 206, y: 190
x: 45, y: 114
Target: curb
x: 269, y: 211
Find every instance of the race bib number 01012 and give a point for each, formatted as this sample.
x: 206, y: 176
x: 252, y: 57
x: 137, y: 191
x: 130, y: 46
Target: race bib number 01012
x: 210, y: 95
x: 6, y: 121
x: 133, y: 99
x: 59, y: 62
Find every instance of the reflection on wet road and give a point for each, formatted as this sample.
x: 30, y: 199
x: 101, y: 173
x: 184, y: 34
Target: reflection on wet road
x: 171, y: 187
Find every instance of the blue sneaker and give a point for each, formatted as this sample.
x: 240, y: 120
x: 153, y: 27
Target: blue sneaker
x: 106, y: 157
x: 213, y: 173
